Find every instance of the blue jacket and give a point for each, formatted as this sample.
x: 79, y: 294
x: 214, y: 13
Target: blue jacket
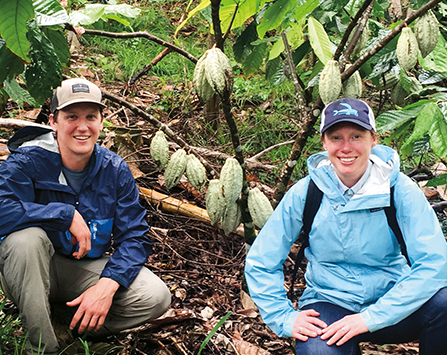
x: 354, y: 260
x: 34, y: 192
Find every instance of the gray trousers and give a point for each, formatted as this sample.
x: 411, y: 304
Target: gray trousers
x: 33, y: 275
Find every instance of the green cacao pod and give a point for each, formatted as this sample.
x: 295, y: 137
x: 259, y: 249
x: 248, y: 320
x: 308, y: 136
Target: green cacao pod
x: 361, y: 43
x: 159, y: 149
x: 215, y: 202
x: 231, y: 218
x: 175, y: 168
x: 259, y: 207
x: 218, y: 71
x: 202, y: 86
x: 398, y: 95
x: 196, y: 172
x: 427, y: 32
x: 407, y: 49
x: 330, y: 82
x: 352, y: 87
x: 231, y: 179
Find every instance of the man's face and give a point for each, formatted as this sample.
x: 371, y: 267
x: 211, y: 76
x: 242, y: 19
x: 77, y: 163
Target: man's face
x: 77, y: 129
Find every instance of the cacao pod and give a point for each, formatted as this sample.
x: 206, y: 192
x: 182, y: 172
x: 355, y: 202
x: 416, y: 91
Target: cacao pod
x: 218, y: 71
x: 215, y: 202
x: 159, y: 149
x: 361, y: 43
x: 196, y: 172
x: 398, y: 95
x: 330, y: 82
x: 407, y: 49
x: 175, y: 168
x: 427, y: 32
x: 231, y: 179
x: 231, y: 218
x: 259, y: 207
x: 203, y: 88
x: 352, y: 87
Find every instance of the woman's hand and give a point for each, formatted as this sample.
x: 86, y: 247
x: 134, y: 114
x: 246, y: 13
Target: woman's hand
x: 307, y: 324
x: 344, y: 329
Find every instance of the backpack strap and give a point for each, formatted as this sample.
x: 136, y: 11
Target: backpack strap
x: 311, y: 206
x: 392, y: 222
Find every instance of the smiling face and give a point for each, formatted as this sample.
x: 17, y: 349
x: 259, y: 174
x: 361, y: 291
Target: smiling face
x: 77, y: 127
x: 349, y: 146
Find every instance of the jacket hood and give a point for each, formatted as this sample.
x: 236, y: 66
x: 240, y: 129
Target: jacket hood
x: 386, y: 166
x: 34, y: 136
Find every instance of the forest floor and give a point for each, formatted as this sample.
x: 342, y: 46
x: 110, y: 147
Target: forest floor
x: 201, y: 265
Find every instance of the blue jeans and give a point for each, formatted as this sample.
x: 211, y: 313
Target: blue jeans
x: 428, y: 325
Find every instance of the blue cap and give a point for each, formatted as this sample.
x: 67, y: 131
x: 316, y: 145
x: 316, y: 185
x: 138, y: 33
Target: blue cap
x: 347, y: 110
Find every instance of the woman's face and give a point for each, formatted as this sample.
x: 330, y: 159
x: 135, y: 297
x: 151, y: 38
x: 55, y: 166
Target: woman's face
x: 348, y: 146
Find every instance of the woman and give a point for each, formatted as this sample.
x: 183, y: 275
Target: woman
x: 359, y: 286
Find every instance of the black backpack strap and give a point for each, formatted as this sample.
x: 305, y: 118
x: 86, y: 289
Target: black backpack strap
x: 392, y: 222
x: 311, y: 206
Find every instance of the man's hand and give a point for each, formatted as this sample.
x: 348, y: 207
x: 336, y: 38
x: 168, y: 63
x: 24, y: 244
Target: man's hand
x: 94, y: 304
x: 344, y: 329
x: 80, y: 233
x: 307, y: 324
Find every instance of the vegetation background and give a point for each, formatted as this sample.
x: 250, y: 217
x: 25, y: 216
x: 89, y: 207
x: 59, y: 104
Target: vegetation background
x: 143, y: 55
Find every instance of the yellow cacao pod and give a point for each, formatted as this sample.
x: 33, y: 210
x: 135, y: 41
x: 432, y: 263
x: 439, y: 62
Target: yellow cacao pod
x: 196, y: 172
x: 352, y: 87
x: 407, y: 49
x: 231, y: 218
x: 218, y: 71
x: 231, y: 179
x: 215, y: 202
x: 259, y: 207
x: 202, y: 86
x: 330, y: 82
x: 159, y: 149
x: 175, y: 168
x: 427, y: 32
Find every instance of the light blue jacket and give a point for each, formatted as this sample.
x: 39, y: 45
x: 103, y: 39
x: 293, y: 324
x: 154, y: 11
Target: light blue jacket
x: 354, y: 260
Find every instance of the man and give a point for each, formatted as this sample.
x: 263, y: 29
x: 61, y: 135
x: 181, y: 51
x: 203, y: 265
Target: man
x: 63, y: 200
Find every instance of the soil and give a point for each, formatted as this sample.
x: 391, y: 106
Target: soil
x: 202, y: 266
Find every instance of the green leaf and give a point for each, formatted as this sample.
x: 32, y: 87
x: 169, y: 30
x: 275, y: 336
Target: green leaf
x: 86, y: 16
x: 405, y: 81
x: 253, y: 62
x: 305, y: 9
x: 271, y: 68
x: 50, y: 13
x: 91, y: 13
x: 333, y: 5
x: 437, y: 59
x: 274, y: 16
x: 59, y: 43
x: 245, y: 10
x: 319, y: 40
x: 244, y: 43
x: 438, y: 180
x: 13, y: 17
x: 213, y: 331
x: 438, y: 132
x: 392, y: 119
x: 18, y: 94
x: 45, y: 72
x: 203, y: 4
x: 424, y: 121
x: 10, y: 63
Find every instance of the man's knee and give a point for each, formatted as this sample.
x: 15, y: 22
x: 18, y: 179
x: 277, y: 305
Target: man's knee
x: 28, y: 241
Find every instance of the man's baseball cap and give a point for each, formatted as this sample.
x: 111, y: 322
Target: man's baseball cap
x: 73, y: 91
x: 347, y: 110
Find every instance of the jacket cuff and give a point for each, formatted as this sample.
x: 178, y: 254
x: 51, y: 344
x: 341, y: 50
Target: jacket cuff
x: 367, y: 319
x: 288, y: 324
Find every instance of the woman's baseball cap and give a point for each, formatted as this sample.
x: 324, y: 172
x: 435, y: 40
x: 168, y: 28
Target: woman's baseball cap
x: 347, y: 110
x: 73, y: 91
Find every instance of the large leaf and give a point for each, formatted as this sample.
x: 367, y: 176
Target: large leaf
x: 305, y: 9
x: 86, y: 16
x: 13, y: 17
x: 243, y: 45
x: 437, y: 59
x: 423, y: 123
x: 45, y: 72
x: 50, y: 13
x: 438, y: 133
x: 253, y: 62
x: 59, y: 43
x: 392, y: 119
x: 319, y: 40
x: 18, y: 94
x: 245, y: 10
x: 93, y: 12
x: 10, y: 63
x: 274, y: 16
x: 203, y: 4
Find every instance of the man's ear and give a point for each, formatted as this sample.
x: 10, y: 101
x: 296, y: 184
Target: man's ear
x: 52, y: 123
